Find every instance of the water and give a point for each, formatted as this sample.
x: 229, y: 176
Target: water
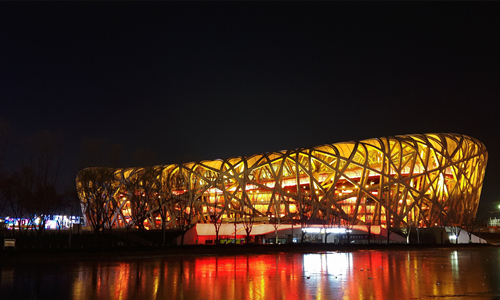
x: 424, y: 274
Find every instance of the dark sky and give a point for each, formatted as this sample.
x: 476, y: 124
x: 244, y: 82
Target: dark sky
x: 159, y: 83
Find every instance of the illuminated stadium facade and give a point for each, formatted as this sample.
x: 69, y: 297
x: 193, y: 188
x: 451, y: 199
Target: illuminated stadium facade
x: 422, y: 180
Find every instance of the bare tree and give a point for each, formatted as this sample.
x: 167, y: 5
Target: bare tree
x: 303, y: 216
x: 185, y: 197
x: 248, y: 221
x: 348, y: 225
x: 455, y: 230
x: 389, y: 218
x: 454, y: 221
x: 184, y: 209
x: 43, y: 201
x: 369, y: 231
x: 332, y: 218
x: 215, y: 213
x: 405, y: 227
x: 141, y: 190
x: 11, y: 192
x: 40, y: 178
x: 160, y: 201
x: 152, y: 186
x: 276, y: 219
x: 95, y: 189
x: 304, y: 224
x: 333, y: 221
x: 470, y: 223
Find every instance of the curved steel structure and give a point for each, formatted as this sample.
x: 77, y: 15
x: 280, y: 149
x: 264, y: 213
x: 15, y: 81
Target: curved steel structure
x: 421, y: 180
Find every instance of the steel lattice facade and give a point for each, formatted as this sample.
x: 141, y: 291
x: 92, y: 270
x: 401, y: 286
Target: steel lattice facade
x: 423, y: 179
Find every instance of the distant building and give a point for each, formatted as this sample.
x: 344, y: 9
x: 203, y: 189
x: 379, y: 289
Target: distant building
x: 420, y: 180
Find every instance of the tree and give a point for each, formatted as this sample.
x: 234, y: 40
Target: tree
x: 185, y: 192
x: 470, y: 223
x: 40, y: 176
x: 405, y: 226
x: 184, y: 213
x: 43, y: 200
x: 470, y: 226
x: 388, y: 213
x: 455, y: 230
x: 95, y: 189
x: 454, y: 221
x: 142, y: 191
x: 161, y: 202
x: 152, y: 187
x: 10, y: 190
x: 348, y: 225
x: 369, y: 231
x: 275, y: 221
x: 332, y: 218
x: 215, y: 213
x: 248, y: 221
x: 304, y: 223
x: 35, y: 197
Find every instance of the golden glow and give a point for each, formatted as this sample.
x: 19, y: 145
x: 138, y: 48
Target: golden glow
x: 359, y: 179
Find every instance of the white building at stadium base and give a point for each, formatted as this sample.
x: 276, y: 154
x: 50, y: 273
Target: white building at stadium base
x: 358, y: 234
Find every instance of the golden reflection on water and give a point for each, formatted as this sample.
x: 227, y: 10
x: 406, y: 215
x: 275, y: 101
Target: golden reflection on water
x: 331, y: 275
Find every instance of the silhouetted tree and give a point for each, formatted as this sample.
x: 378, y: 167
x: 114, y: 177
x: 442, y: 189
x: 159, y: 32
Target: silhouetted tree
x: 348, y: 225
x: 215, y: 213
x: 406, y: 226
x: 248, y: 221
x: 41, y: 198
x: 455, y: 230
x: 40, y: 177
x: 141, y: 193
x: 10, y: 192
x: 95, y: 189
x: 470, y: 223
x: 185, y: 195
x: 332, y: 218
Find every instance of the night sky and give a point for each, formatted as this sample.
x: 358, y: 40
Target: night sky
x: 136, y: 84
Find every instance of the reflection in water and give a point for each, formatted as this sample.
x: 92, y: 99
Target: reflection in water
x: 331, y: 275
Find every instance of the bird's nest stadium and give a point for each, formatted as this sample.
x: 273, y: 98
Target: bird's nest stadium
x: 423, y: 180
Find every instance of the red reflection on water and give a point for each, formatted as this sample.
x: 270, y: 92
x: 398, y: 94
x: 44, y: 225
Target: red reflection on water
x: 249, y: 277
x: 360, y: 275
x: 332, y: 275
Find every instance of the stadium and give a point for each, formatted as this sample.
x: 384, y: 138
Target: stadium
x: 404, y: 181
